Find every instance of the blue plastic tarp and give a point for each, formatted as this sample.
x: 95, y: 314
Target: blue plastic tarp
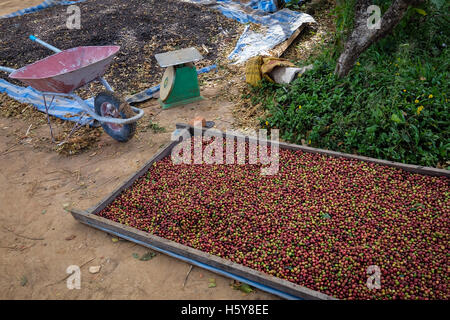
x: 68, y: 109
x: 63, y: 108
x: 279, y: 25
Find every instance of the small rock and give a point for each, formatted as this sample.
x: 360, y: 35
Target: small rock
x: 94, y: 269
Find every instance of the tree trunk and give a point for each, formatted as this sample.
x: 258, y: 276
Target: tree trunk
x: 362, y: 37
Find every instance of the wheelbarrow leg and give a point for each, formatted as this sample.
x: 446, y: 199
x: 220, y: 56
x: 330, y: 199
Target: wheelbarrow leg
x: 77, y: 126
x: 48, y: 116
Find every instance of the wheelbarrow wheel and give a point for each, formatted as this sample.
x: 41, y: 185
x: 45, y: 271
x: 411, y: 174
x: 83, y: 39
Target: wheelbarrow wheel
x: 109, y: 104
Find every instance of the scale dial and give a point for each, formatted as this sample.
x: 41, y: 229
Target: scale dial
x: 167, y: 83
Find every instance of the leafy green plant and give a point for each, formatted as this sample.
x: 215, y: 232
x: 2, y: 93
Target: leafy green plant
x: 155, y: 127
x: 23, y: 281
x: 393, y: 105
x: 344, y: 15
x: 145, y: 257
x: 293, y: 5
x: 242, y: 287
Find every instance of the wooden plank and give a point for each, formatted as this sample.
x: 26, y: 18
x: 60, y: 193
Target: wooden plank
x: 407, y: 167
x: 281, y: 48
x: 430, y: 171
x: 206, y: 258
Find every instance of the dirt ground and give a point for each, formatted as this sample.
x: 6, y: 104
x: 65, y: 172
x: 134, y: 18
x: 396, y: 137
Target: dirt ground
x: 141, y: 29
x: 39, y: 239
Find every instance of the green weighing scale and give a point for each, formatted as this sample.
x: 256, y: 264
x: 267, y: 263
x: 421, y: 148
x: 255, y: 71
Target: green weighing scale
x: 179, y: 85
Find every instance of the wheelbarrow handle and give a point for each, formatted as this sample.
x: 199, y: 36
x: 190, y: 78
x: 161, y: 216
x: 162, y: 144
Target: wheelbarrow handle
x: 6, y: 69
x: 45, y: 44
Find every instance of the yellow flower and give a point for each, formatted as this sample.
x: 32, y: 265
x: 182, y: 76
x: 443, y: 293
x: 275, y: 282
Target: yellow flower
x: 404, y: 90
x: 416, y: 101
x: 309, y: 142
x: 419, y: 109
x: 267, y: 123
x: 357, y: 63
x: 299, y: 107
x: 430, y: 96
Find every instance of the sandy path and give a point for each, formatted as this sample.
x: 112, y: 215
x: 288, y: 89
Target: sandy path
x: 9, y: 6
x: 34, y: 186
x: 36, y: 183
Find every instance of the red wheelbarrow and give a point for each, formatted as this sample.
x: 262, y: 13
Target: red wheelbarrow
x: 68, y: 70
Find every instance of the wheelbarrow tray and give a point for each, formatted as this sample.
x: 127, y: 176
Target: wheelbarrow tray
x: 67, y: 70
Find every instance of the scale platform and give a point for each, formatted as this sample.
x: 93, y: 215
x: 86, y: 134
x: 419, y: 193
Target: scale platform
x: 179, y: 85
x: 177, y: 57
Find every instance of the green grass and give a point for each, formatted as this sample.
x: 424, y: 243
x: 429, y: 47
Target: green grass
x: 155, y: 127
x: 393, y: 105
